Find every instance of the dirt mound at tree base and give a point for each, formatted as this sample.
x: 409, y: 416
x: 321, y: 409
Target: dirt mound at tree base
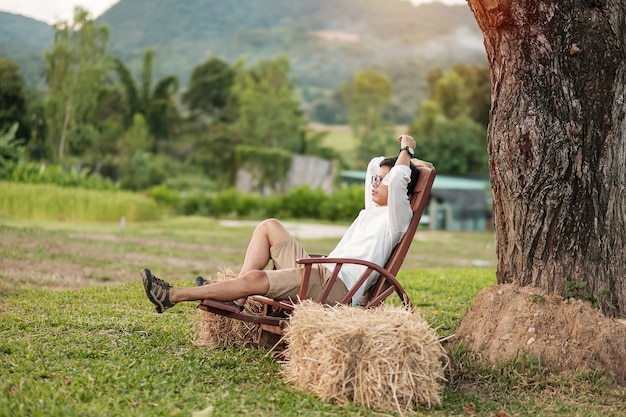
x: 507, y: 320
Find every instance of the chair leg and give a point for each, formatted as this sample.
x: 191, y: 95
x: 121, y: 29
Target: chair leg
x: 269, y: 335
x: 269, y: 338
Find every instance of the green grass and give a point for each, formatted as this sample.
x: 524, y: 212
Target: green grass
x: 341, y: 140
x: 46, y: 202
x: 100, y: 349
x: 103, y: 351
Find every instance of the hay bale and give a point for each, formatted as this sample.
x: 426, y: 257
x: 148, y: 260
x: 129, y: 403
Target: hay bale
x: 385, y: 358
x: 217, y: 331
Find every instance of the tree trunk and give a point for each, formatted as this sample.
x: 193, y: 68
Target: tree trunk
x: 65, y: 128
x: 557, y: 144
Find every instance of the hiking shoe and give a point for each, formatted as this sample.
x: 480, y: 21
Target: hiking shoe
x: 157, y: 290
x: 200, y: 281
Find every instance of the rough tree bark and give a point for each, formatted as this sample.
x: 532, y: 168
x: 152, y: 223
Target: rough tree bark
x: 557, y: 144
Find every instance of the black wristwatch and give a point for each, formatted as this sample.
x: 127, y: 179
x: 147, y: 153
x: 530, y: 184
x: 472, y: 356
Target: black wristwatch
x: 409, y: 150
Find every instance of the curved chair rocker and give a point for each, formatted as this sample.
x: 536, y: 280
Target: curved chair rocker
x: 275, y: 316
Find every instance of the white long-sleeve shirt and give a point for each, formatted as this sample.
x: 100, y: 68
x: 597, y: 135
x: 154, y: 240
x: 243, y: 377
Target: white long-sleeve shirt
x: 377, y: 229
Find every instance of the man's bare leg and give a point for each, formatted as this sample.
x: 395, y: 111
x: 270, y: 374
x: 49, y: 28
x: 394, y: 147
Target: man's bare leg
x: 267, y: 234
x: 163, y: 295
x: 250, y: 283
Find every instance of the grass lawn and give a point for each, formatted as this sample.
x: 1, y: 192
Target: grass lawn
x: 79, y: 338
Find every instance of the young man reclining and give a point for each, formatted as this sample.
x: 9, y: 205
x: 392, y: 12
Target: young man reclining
x: 371, y: 237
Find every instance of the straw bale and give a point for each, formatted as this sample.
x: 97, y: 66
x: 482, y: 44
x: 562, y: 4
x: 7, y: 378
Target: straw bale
x: 385, y: 358
x: 217, y: 331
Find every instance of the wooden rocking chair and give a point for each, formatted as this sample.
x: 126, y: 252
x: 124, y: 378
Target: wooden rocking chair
x: 275, y: 314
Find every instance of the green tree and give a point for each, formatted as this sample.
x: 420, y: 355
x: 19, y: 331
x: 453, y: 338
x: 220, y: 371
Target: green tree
x: 11, y: 149
x: 268, y: 117
x: 268, y: 111
x: 477, y: 82
x: 110, y: 115
x: 36, y: 147
x: 157, y: 105
x: 76, y: 67
x: 269, y: 166
x: 455, y: 146
x: 446, y: 133
x: 137, y: 138
x: 313, y: 144
x: 209, y: 89
x: 13, y: 104
x: 329, y: 109
x: 213, y: 153
x: 473, y: 95
x: 368, y: 95
x: 450, y: 94
x: 135, y: 161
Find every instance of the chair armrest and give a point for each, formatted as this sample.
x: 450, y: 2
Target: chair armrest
x: 339, y: 262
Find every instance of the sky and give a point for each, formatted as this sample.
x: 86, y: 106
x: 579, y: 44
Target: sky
x: 51, y: 11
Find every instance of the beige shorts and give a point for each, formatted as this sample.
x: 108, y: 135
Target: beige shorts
x: 286, y: 278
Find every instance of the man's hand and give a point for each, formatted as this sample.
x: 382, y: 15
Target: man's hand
x: 406, y: 140
x: 404, y: 157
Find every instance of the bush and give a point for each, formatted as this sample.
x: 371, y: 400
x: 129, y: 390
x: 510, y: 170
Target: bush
x: 223, y: 202
x: 300, y: 202
x: 234, y: 201
x: 274, y: 206
x: 190, y: 183
x: 162, y: 194
x: 344, y: 204
x: 247, y: 204
x: 195, y: 203
x: 303, y: 202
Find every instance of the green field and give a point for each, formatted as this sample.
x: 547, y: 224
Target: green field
x: 340, y: 138
x: 79, y: 338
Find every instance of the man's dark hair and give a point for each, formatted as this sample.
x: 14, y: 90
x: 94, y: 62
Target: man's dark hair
x: 391, y: 162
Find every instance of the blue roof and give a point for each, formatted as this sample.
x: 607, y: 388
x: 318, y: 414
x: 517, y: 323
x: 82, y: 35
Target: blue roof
x: 442, y: 182
x: 446, y: 182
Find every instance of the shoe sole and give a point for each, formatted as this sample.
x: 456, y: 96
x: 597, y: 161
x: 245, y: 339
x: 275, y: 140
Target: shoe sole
x: 201, y: 281
x: 146, y: 277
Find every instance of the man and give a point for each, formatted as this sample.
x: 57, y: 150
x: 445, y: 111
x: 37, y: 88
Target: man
x: 371, y: 237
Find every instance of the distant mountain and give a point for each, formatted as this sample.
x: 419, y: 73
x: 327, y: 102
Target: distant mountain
x: 326, y: 40
x: 23, y: 40
x: 23, y: 35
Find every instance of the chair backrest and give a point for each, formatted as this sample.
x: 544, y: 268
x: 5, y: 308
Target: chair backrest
x: 419, y: 200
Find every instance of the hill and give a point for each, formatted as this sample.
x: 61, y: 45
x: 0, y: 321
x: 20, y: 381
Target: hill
x: 370, y: 33
x: 326, y: 40
x: 23, y: 40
